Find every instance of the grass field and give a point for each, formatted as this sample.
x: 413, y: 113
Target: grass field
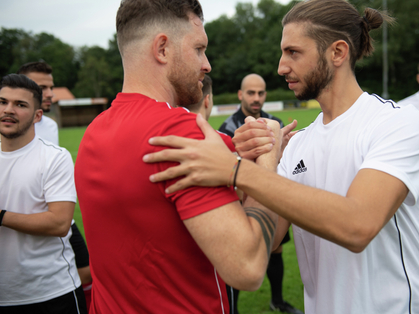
x: 249, y: 302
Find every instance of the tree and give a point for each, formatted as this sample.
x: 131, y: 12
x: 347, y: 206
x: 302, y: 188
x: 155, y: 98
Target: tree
x: 18, y: 47
x: 94, y: 74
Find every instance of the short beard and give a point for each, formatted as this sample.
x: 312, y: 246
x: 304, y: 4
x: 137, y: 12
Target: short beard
x: 316, y: 81
x: 187, y: 92
x: 46, y: 110
x: 19, y: 132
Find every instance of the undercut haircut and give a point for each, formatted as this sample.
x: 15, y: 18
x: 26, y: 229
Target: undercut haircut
x: 135, y: 18
x: 330, y: 20
x: 22, y: 81
x: 38, y: 67
x: 206, y: 90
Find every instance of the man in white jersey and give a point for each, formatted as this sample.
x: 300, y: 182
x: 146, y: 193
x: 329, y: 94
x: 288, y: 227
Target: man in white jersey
x: 412, y: 99
x: 348, y: 183
x: 41, y: 73
x: 37, y: 198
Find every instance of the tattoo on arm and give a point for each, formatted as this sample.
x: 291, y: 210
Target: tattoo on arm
x: 266, y: 224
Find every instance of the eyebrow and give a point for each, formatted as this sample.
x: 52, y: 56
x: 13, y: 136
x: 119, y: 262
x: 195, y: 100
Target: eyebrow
x: 293, y: 47
x: 18, y: 100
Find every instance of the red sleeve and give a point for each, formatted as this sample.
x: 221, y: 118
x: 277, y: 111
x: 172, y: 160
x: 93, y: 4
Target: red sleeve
x: 193, y: 201
x: 227, y: 140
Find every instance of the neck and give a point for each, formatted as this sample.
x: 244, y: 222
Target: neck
x: 339, y: 96
x: 145, y: 76
x: 153, y: 90
x: 12, y: 144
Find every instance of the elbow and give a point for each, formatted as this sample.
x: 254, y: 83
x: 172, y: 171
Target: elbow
x: 250, y: 279
x: 360, y: 239
x: 61, y: 230
x: 59, y: 233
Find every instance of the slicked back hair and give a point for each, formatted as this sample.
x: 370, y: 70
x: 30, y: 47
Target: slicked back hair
x: 22, y: 81
x: 330, y: 20
x: 135, y: 18
x: 38, y: 67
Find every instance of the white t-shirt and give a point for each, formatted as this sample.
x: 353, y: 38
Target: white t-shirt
x: 384, y: 278
x: 47, y: 129
x: 411, y: 100
x: 35, y: 268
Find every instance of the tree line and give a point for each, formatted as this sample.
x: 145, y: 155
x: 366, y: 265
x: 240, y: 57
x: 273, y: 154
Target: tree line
x: 247, y: 42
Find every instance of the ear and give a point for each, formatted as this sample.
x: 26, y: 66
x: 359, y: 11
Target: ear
x: 38, y: 115
x: 417, y: 78
x: 339, y: 52
x: 160, y: 48
x: 206, y: 101
x: 240, y: 94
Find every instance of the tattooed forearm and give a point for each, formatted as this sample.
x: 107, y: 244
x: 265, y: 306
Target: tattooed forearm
x: 266, y: 224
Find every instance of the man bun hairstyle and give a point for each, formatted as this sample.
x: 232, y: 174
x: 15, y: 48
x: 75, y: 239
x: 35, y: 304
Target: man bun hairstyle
x: 135, y: 17
x: 22, y: 81
x: 332, y: 20
x: 38, y: 67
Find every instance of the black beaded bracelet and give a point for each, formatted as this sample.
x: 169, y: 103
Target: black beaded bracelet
x: 3, y: 211
x: 239, y: 159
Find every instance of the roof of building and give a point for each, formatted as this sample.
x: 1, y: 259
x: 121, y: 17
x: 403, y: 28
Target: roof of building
x: 61, y: 93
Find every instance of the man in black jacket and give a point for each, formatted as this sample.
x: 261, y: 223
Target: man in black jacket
x: 252, y: 95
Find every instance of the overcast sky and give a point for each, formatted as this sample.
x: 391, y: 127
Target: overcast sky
x: 84, y: 22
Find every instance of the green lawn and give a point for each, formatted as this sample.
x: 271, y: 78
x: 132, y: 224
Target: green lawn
x: 249, y: 302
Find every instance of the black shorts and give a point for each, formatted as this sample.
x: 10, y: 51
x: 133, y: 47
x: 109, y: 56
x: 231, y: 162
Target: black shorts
x: 70, y: 303
x: 286, y: 238
x: 79, y: 247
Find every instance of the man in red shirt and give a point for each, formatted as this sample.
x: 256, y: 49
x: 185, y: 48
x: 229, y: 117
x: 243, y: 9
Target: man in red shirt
x: 153, y: 252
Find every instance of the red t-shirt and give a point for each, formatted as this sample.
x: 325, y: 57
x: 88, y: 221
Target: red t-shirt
x: 142, y: 257
x: 228, y: 141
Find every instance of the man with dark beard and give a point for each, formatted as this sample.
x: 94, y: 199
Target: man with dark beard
x: 252, y: 95
x: 151, y: 252
x: 348, y: 183
x: 37, y: 199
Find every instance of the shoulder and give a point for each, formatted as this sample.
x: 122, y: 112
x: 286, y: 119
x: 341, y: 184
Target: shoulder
x: 385, y: 109
x: 232, y: 123
x: 181, y: 122
x: 47, y: 124
x: 51, y: 151
x: 411, y: 100
x: 227, y: 140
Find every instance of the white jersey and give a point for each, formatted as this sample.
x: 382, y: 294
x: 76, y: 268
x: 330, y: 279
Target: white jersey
x: 384, y: 278
x: 411, y: 100
x: 47, y: 129
x: 35, y: 268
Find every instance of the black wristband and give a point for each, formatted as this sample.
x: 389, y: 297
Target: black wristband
x: 3, y: 211
x: 239, y: 159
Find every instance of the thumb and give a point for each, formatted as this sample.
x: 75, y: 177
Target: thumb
x: 249, y: 119
x: 205, y: 127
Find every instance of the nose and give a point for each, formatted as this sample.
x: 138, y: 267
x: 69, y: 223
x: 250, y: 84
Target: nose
x: 48, y: 93
x: 8, y: 108
x: 206, y: 66
x: 283, y: 69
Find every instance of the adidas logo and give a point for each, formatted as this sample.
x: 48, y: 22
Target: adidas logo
x: 300, y: 168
